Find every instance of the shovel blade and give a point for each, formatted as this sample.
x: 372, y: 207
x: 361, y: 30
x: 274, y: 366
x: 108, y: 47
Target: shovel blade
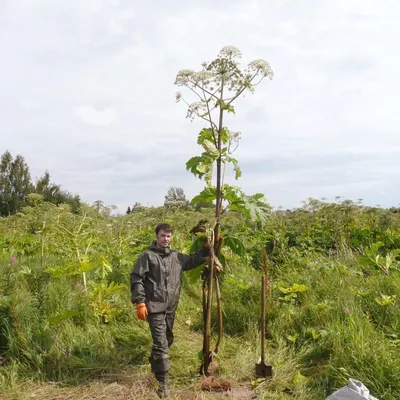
x: 263, y: 371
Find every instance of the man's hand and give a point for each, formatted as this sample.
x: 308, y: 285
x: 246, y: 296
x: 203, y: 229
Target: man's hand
x: 141, y: 311
x: 207, y: 245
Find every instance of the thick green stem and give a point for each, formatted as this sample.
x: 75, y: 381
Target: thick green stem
x: 207, y: 328
x: 204, y: 301
x: 207, y: 332
x: 218, y: 207
x: 219, y: 314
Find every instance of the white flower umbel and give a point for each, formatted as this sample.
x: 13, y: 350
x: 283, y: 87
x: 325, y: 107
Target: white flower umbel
x: 183, y: 77
x: 262, y: 67
x: 198, y: 108
x: 230, y: 52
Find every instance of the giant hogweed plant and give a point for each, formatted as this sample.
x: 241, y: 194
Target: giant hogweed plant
x: 83, y: 246
x: 215, y: 88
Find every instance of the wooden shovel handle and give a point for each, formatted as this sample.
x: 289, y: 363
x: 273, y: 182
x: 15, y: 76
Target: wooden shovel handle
x: 263, y: 319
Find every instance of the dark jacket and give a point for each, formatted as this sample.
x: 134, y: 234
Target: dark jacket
x: 157, y: 276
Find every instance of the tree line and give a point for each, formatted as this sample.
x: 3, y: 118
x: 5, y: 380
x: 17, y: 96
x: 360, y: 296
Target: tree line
x: 16, y: 184
x: 174, y: 199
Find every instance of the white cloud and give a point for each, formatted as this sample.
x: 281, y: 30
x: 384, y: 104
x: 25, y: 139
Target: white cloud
x: 93, y: 116
x: 87, y: 93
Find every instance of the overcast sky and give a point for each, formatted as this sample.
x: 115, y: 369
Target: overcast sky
x: 87, y: 92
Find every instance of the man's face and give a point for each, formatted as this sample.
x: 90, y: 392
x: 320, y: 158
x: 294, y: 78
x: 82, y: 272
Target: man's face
x: 163, y: 238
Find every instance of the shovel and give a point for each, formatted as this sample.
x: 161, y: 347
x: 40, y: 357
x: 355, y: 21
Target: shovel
x: 262, y: 370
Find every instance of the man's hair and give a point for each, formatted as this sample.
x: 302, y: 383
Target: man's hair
x: 165, y: 227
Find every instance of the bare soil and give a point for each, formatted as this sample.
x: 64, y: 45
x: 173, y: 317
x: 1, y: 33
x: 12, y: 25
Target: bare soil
x: 138, y: 387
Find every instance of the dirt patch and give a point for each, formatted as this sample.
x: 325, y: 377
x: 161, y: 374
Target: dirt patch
x: 212, y: 384
x: 240, y: 392
x: 129, y: 387
x: 227, y: 388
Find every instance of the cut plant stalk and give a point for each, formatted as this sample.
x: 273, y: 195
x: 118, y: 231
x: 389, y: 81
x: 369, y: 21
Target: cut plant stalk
x: 207, y: 331
x: 216, y: 87
x: 263, y: 370
x: 208, y: 355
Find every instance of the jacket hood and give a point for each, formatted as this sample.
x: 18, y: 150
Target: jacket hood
x: 159, y: 250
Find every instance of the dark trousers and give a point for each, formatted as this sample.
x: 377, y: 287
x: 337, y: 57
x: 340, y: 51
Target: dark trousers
x: 161, y: 327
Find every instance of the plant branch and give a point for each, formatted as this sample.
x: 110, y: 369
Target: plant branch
x: 242, y: 90
x: 206, y: 119
x: 209, y: 114
x: 262, y: 78
x: 194, y: 92
x: 229, y: 147
x: 208, y: 92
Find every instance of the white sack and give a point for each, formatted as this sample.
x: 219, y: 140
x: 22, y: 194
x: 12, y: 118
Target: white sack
x: 354, y: 390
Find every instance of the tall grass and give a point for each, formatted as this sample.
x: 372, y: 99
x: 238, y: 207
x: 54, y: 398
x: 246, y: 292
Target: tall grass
x: 343, y: 322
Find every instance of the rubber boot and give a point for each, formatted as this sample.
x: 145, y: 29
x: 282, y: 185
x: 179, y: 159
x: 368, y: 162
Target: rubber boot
x: 163, y: 389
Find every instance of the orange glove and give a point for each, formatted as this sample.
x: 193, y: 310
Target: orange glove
x: 141, y: 311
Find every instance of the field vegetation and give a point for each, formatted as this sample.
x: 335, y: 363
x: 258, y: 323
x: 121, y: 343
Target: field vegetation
x: 68, y: 330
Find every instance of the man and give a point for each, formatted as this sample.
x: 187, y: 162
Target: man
x: 155, y: 289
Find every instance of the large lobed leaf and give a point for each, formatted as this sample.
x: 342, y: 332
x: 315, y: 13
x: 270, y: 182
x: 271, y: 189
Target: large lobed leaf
x: 206, y: 195
x: 235, y: 244
x: 202, y: 166
x: 254, y: 207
